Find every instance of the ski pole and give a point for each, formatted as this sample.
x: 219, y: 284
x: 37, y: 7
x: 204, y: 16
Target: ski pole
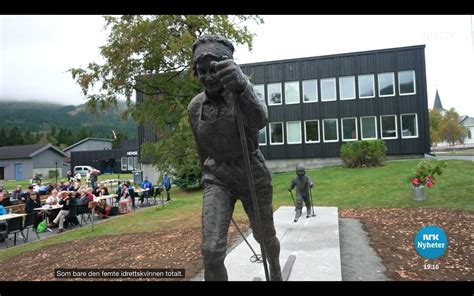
x: 250, y: 181
x: 291, y: 193
x: 256, y: 257
x: 311, y: 196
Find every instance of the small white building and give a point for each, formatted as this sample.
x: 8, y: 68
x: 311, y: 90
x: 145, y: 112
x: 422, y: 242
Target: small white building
x: 24, y: 161
x: 468, y: 122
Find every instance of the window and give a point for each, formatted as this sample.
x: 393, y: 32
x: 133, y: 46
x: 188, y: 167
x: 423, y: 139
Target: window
x: 130, y: 163
x: 368, y: 125
x: 386, y: 84
x: 406, y: 82
x: 276, y: 133
x: 366, y: 86
x: 136, y: 163
x: 388, y: 126
x: 262, y: 136
x: 349, y: 129
x: 409, y: 124
x: 328, y: 89
x: 292, y: 92
x: 260, y: 91
x: 330, y: 130
x: 310, y: 91
x: 311, y: 131
x: 274, y: 94
x: 347, y: 88
x: 124, y: 164
x: 293, y: 132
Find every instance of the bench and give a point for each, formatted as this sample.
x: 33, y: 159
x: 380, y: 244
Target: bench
x: 20, y: 207
x: 17, y: 209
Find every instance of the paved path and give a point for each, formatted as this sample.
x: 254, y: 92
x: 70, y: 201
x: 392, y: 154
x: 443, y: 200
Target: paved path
x: 359, y: 260
x: 462, y: 157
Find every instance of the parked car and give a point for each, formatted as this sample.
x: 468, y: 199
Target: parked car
x: 83, y: 170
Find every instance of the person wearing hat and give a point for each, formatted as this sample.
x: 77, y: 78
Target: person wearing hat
x: 148, y: 186
x: 214, y: 124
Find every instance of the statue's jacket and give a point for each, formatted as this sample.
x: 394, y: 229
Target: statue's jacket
x: 214, y: 125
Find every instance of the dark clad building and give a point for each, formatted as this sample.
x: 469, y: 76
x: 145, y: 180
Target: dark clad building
x: 316, y: 104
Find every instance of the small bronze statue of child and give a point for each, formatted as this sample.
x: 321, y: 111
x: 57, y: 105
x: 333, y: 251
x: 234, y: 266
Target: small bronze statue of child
x: 303, y: 185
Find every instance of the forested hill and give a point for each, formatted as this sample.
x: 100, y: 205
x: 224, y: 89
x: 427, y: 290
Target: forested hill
x: 39, y: 117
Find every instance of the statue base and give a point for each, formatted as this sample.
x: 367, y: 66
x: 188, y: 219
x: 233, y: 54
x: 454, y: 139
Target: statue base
x: 313, y: 241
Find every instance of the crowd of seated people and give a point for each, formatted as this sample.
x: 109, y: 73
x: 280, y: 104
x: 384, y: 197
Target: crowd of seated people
x: 75, y: 199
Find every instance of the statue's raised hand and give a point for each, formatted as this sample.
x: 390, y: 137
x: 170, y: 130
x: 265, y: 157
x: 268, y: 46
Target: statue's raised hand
x: 230, y: 75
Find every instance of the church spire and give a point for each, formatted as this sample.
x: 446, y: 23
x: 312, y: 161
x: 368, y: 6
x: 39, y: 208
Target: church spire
x: 437, y: 102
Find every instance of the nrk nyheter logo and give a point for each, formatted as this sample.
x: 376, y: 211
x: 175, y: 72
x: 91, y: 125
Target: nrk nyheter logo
x: 431, y: 242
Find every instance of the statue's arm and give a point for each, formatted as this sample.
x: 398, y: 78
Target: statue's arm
x: 193, y: 120
x: 234, y: 81
x: 254, y: 111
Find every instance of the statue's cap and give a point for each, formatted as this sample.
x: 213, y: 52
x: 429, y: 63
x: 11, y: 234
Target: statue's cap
x: 212, y: 45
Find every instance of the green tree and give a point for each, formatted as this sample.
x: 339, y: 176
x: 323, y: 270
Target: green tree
x: 121, y: 136
x: 53, y: 131
x: 15, y: 137
x: 450, y: 129
x: 43, y: 138
x: 38, y: 137
x: 83, y: 133
x: 435, y: 118
x: 153, y: 55
x: 70, y: 138
x: 52, y: 136
x: 28, y: 137
x: 3, y: 137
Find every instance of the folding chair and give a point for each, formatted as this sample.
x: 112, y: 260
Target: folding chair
x: 4, y: 232
x: 29, y: 223
x: 84, y: 210
x: 14, y: 226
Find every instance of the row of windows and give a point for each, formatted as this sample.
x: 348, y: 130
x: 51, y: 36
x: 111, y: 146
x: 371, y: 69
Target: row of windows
x: 130, y: 163
x: 347, y: 91
x: 349, y: 129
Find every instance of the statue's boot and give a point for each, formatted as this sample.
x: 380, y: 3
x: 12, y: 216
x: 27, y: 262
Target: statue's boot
x: 308, y: 212
x: 297, y: 215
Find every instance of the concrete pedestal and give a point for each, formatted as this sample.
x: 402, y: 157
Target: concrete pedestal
x: 314, y: 241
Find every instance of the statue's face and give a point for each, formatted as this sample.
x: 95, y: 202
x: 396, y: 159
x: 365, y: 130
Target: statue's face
x: 208, y: 77
x: 300, y: 172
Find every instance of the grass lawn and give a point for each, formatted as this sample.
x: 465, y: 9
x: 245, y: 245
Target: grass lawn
x: 11, y: 185
x: 340, y: 187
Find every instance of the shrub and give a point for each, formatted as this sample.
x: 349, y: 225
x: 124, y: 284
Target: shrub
x: 363, y: 153
x: 187, y: 182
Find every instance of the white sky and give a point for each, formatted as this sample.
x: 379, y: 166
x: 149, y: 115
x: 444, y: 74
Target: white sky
x: 36, y: 51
